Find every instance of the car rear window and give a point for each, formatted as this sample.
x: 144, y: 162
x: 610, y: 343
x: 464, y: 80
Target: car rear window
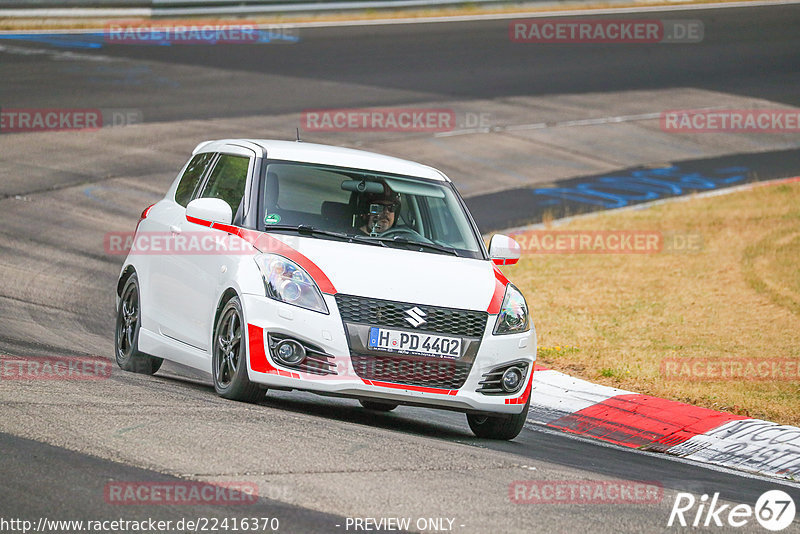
x: 191, y: 176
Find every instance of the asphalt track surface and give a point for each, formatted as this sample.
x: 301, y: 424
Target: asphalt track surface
x: 749, y: 51
x: 330, y: 458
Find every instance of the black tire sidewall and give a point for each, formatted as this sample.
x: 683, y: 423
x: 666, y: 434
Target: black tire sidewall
x: 239, y: 381
x: 499, y: 427
x: 378, y: 406
x: 127, y: 362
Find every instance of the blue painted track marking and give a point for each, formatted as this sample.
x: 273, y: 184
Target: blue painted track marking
x: 639, y: 186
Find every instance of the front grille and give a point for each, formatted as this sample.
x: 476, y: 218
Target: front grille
x: 413, y: 371
x: 390, y: 313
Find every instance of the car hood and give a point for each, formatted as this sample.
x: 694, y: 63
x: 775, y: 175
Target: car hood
x: 400, y: 275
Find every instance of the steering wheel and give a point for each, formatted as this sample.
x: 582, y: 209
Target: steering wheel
x: 405, y: 232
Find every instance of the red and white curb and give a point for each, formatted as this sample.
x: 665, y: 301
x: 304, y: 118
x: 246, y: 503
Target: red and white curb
x: 630, y: 419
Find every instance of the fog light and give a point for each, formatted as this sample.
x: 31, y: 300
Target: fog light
x: 512, y: 379
x: 289, y: 352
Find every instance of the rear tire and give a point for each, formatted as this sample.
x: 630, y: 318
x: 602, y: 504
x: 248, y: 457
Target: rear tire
x: 230, y: 356
x: 498, y: 426
x: 378, y: 406
x: 126, y: 333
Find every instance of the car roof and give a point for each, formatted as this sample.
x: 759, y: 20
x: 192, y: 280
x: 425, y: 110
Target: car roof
x: 328, y: 155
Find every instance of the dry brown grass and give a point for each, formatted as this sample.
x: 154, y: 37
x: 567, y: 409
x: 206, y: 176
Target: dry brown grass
x: 614, y: 318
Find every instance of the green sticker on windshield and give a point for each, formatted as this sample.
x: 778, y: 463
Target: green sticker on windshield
x: 272, y: 218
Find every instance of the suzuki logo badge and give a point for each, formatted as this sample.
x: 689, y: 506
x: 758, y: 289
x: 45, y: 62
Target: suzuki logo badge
x: 415, y: 316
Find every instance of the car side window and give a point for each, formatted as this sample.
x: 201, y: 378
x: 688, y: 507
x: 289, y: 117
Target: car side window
x: 194, y: 171
x: 227, y: 181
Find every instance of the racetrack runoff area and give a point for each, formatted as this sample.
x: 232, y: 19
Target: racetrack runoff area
x: 705, y: 311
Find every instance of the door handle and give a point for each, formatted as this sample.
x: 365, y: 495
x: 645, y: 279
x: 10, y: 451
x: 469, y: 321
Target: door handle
x: 174, y: 229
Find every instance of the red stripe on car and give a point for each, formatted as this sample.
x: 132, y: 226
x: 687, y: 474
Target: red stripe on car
x: 523, y: 398
x: 500, y: 282
x: 142, y: 217
x: 266, y: 243
x: 195, y: 220
x: 258, y: 356
x: 146, y: 211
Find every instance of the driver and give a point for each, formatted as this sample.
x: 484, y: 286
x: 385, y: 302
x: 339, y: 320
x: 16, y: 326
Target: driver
x: 380, y: 212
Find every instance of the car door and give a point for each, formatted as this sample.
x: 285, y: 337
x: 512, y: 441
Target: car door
x: 197, y: 272
x: 160, y: 227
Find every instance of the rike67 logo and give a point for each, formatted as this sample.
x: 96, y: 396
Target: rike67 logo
x: 774, y: 510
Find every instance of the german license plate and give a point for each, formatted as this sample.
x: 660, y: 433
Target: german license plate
x: 414, y: 343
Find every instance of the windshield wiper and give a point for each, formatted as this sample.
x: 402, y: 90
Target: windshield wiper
x: 310, y: 231
x: 305, y: 230
x: 411, y: 242
x: 368, y: 240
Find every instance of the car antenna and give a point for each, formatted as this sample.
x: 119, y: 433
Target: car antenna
x: 297, y: 130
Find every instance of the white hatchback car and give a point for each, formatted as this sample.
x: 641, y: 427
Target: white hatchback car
x: 290, y: 265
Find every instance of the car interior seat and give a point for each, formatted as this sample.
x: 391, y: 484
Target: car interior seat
x: 337, y: 215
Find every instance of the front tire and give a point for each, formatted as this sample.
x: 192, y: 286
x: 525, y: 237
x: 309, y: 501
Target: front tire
x: 498, y: 426
x: 230, y: 356
x: 378, y: 406
x: 126, y: 334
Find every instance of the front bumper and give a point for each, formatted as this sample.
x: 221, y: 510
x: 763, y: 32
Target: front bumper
x: 265, y: 316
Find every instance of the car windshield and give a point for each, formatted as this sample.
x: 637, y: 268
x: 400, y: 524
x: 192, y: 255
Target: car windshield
x: 371, y: 207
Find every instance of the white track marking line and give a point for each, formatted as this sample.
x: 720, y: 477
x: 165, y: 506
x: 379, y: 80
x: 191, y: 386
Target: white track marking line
x: 570, y: 123
x: 56, y: 54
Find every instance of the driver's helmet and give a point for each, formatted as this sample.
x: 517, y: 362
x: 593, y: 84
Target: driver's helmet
x: 385, y: 197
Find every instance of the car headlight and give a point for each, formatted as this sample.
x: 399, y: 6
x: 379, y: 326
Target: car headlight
x: 513, y: 316
x: 287, y: 282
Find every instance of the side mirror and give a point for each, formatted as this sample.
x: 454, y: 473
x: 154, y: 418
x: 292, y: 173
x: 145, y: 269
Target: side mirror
x: 503, y: 250
x: 215, y: 210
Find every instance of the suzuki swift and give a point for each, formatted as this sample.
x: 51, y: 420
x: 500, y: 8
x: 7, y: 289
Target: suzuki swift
x: 290, y: 265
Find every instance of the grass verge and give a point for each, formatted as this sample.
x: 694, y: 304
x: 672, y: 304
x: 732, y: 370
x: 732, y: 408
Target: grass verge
x: 616, y: 319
